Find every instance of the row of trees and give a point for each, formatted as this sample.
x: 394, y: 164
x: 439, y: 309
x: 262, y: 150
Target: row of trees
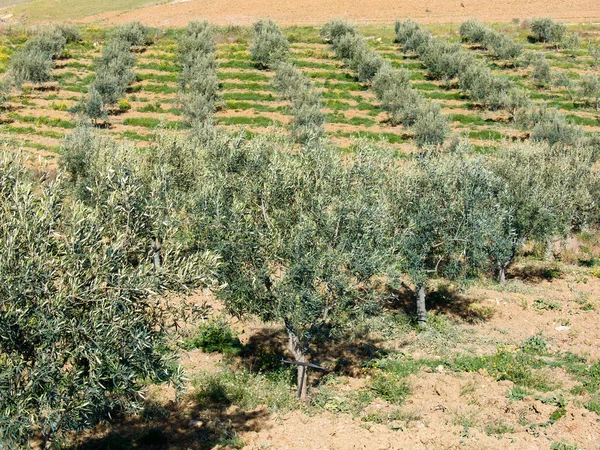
x: 114, y: 71
x: 501, y: 46
x: 449, y: 62
x: 402, y: 103
x: 34, y: 63
x: 308, y: 118
x: 198, y: 81
x: 303, y: 238
x: 270, y: 49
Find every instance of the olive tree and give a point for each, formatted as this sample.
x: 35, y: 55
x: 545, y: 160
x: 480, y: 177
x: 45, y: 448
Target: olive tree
x: 411, y: 36
x: 134, y: 33
x: 444, y: 209
x: 198, y: 81
x: 288, y: 80
x: 82, y: 325
x: 31, y: 66
x: 547, y: 30
x: 545, y: 190
x: 388, y: 78
x: 590, y: 89
x: 336, y: 29
x: 269, y: 45
x: 299, y: 233
x: 308, y: 119
x: 430, y: 126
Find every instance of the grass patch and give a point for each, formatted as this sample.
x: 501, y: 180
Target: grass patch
x: 255, y: 121
x: 243, y: 76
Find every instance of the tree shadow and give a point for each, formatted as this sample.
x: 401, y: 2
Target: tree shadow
x: 190, y: 425
x: 535, y: 273
x: 443, y: 300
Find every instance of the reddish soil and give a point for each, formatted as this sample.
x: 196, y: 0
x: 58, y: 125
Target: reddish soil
x: 314, y: 12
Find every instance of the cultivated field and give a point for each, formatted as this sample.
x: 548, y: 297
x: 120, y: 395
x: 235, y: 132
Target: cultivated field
x: 39, y: 119
x: 273, y: 229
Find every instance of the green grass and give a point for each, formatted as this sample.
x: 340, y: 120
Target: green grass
x: 387, y: 137
x: 258, y: 107
x: 43, y: 120
x: 161, y: 66
x: 248, y: 96
x: 66, y: 10
x: 243, y: 76
x: 489, y: 135
x: 255, y: 121
x: 159, y: 78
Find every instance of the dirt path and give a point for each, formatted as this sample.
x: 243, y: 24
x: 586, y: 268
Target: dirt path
x: 314, y: 12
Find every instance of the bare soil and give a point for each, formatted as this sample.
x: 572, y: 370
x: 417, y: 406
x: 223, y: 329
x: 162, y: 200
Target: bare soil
x: 314, y: 12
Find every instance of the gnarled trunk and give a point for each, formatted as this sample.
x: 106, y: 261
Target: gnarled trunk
x: 299, y: 352
x: 421, y: 310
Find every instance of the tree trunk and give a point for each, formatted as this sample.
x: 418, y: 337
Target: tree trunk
x: 156, y: 246
x: 299, y: 351
x: 549, y: 253
x: 421, y: 310
x: 502, y: 274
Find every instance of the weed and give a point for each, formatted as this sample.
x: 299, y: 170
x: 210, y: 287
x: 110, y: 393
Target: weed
x: 544, y: 305
x: 498, y: 427
x: 215, y: 336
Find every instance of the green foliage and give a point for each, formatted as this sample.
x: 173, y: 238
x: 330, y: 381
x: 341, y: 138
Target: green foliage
x: 546, y: 30
x: 500, y: 45
x: 80, y: 295
x: 245, y: 390
x: 590, y: 89
x: 548, y: 125
x: 269, y: 45
x: 542, y: 73
x: 431, y: 125
x: 124, y: 105
x: 215, y: 336
x: 288, y: 80
x: 198, y: 81
x: 308, y: 119
x: 31, y: 66
x: 411, y: 36
x: 545, y: 190
x: 337, y: 28
x: 387, y: 79
x: 291, y: 231
x: 134, y: 33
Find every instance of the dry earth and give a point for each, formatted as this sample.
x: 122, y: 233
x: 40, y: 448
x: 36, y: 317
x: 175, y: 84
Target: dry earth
x: 314, y: 12
x: 441, y: 403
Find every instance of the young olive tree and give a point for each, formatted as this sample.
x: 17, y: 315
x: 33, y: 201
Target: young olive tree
x: 545, y: 190
x: 299, y: 234
x: 411, y: 36
x: 430, y: 126
x: 134, y: 33
x: 444, y: 209
x: 269, y: 45
x: 288, y: 80
x: 547, y: 30
x: 590, y: 89
x: 542, y: 74
x: 388, y: 78
x: 81, y: 318
x: 198, y: 81
x: 308, y: 119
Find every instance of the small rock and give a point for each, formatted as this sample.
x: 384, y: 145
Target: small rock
x: 562, y: 328
x: 440, y: 369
